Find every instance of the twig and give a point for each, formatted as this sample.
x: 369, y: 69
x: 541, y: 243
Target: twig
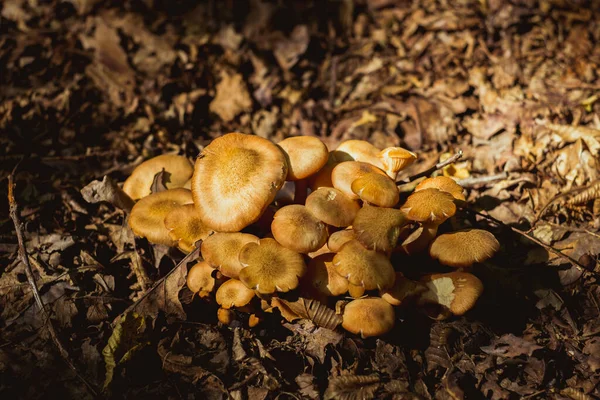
x: 482, y: 180
x: 535, y: 240
x: 14, y: 215
x: 429, y: 171
x: 189, y: 256
x: 244, y: 382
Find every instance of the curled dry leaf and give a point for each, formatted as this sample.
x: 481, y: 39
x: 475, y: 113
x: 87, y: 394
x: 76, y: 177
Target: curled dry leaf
x: 313, y: 310
x: 107, y: 190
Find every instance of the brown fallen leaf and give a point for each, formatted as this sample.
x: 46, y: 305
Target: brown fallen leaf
x: 309, y: 309
x: 107, y: 190
x: 232, y: 97
x: 511, y: 346
x: 352, y: 387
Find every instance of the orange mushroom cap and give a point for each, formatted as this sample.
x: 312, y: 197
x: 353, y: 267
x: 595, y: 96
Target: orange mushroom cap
x: 464, y: 248
x: 444, y: 184
x: 178, y: 171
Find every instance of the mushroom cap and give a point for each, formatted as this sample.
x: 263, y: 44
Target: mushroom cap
x: 270, y: 267
x: 378, y: 228
x: 321, y: 277
x: 235, y: 178
x: 368, y: 317
x: 233, y: 293
x: 444, y: 184
x: 376, y: 189
x: 295, y: 228
x: 464, y: 248
x: 323, y: 177
x: 395, y: 159
x: 338, y: 239
x: 186, y: 227
x: 361, y: 150
x: 178, y: 168
x: 429, y: 205
x: 347, y: 172
x: 225, y: 316
x: 419, y: 239
x: 148, y: 214
x: 402, y: 290
x: 221, y: 250
x: 364, y: 267
x: 332, y: 207
x: 200, y: 280
x: 455, y: 291
x: 306, y: 156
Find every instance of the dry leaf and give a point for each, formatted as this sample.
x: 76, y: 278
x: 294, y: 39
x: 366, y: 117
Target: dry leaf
x: 232, y: 97
x: 511, y: 346
x: 107, y: 190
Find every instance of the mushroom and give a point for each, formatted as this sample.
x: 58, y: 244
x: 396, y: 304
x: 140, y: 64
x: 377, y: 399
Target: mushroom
x: 347, y: 172
x: 148, y: 214
x: 270, y: 267
x: 233, y: 293
x: 368, y: 317
x: 332, y: 207
x: 178, y: 170
x: 323, y: 177
x: 366, y: 269
x: 186, y: 227
x: 420, y: 238
x: 200, y: 280
x: 378, y: 228
x: 295, y: 228
x: 221, y: 250
x: 395, y: 159
x: 403, y: 289
x: 321, y: 280
x: 306, y: 155
x: 361, y: 150
x: 338, y: 239
x: 461, y: 249
x: 377, y: 189
x: 429, y: 205
x: 444, y: 184
x: 456, y: 292
x: 225, y: 316
x: 235, y: 178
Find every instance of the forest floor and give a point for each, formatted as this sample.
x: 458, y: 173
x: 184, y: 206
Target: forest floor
x: 91, y: 88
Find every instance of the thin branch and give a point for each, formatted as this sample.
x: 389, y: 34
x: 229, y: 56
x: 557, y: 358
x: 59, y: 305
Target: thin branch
x: 14, y: 215
x: 482, y: 180
x: 429, y: 171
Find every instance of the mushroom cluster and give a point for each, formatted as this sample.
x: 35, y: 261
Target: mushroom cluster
x: 294, y: 219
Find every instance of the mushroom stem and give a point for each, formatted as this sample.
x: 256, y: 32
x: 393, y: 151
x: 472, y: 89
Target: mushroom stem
x: 300, y: 191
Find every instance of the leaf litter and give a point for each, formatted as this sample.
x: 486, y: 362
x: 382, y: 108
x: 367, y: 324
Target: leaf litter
x: 89, y: 90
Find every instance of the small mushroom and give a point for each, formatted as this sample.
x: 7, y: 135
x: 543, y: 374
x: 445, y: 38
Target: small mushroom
x: 295, y: 228
x: 235, y: 178
x: 233, y: 293
x: 306, y: 155
x: 225, y: 316
x: 420, y: 238
x: 178, y: 170
x: 148, y: 214
x: 395, y: 159
x: 368, y: 317
x: 361, y: 150
x: 270, y: 267
x: 378, y: 228
x: 429, y: 205
x: 221, y: 250
x: 464, y: 248
x: 200, y: 280
x: 444, y: 184
x: 186, y: 227
x: 363, y: 267
x: 321, y: 279
x: 323, y: 177
x: 338, y: 239
x: 456, y: 292
x: 404, y: 289
x: 347, y: 172
x: 332, y: 207
x: 376, y: 189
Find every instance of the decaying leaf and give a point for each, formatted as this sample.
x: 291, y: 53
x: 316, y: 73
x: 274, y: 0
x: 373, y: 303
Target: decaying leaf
x: 511, y: 346
x: 352, y: 387
x: 126, y: 340
x: 107, y: 190
x: 310, y: 309
x: 232, y: 97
